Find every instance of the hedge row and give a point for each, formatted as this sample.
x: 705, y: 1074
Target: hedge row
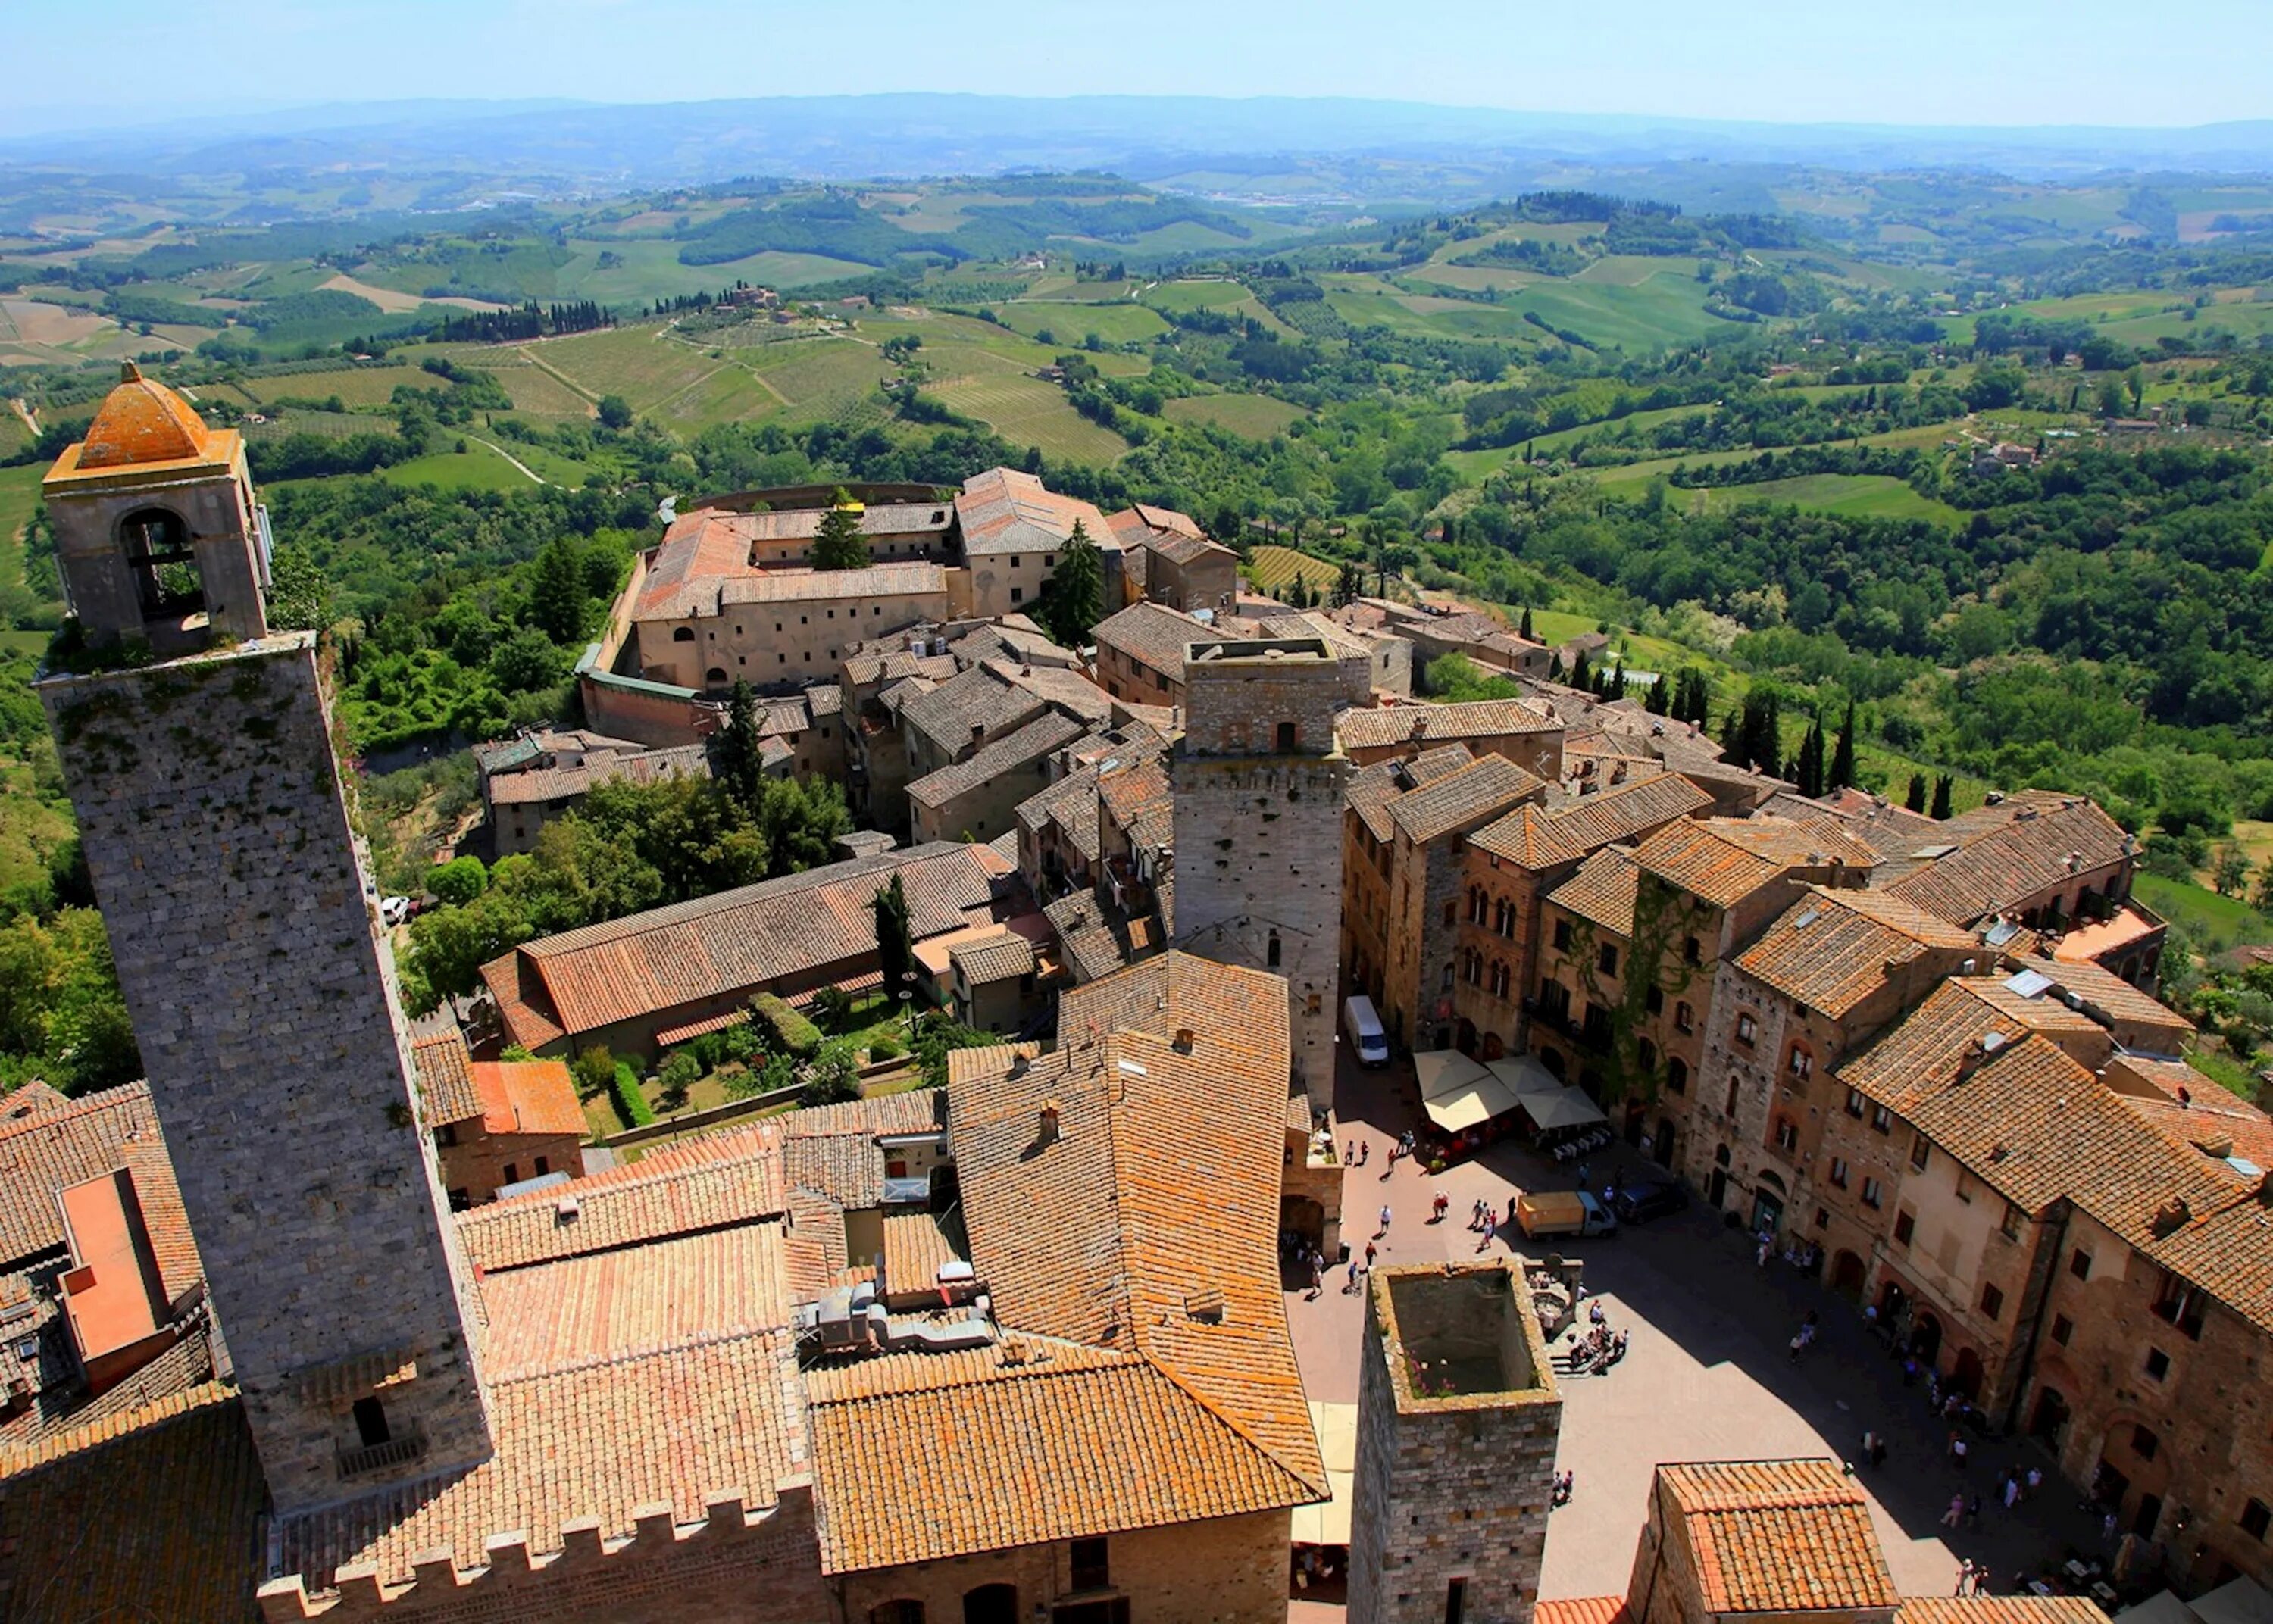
x: 797, y: 1034
x: 631, y: 1104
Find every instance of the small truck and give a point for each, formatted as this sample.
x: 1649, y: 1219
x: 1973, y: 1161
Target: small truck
x: 1563, y: 1212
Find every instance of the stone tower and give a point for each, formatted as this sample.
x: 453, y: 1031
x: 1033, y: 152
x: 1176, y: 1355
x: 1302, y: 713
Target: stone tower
x: 1258, y: 781
x: 1457, y: 1423
x: 246, y: 931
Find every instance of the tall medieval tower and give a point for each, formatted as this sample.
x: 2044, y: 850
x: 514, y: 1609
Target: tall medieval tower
x: 197, y: 745
x: 1457, y: 1421
x: 1258, y: 780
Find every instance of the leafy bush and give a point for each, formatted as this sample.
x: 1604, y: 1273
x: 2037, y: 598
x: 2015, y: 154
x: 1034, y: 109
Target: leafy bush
x: 885, y: 1049
x: 681, y: 1071
x: 594, y: 1070
x: 741, y: 1043
x: 631, y: 1104
x: 460, y: 880
x: 832, y: 1082
x: 796, y: 1034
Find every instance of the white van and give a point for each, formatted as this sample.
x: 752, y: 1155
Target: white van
x: 1364, y: 1028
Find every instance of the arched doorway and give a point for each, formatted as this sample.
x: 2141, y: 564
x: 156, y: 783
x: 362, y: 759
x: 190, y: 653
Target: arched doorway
x: 1302, y: 1219
x: 1716, y: 1187
x: 1847, y: 1274
x: 991, y: 1604
x: 1552, y: 1059
x: 2048, y: 1421
x: 164, y: 562
x: 1925, y: 1340
x: 1465, y: 1043
x: 1965, y: 1375
x: 1634, y: 1125
x: 1493, y: 1048
x: 1661, y: 1143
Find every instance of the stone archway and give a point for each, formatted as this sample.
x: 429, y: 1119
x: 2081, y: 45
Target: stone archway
x: 1494, y: 1049
x: 1925, y: 1340
x: 2048, y: 1421
x: 1967, y: 1374
x: 1846, y: 1271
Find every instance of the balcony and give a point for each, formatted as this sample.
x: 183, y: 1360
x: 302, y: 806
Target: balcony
x: 400, y: 1450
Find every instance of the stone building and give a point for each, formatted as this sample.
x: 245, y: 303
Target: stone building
x: 1457, y: 1421
x: 1403, y: 864
x: 1257, y: 781
x: 1140, y: 653
x: 1012, y: 528
x: 1167, y: 559
x: 497, y: 1122
x: 246, y: 931
x: 1530, y: 737
x: 531, y: 780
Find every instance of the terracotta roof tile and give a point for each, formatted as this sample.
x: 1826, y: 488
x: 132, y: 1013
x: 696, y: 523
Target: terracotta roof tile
x: 1779, y: 1537
x: 2009, y: 852
x: 1535, y: 839
x: 445, y: 1078
x: 667, y: 1292
x: 1483, y: 789
x: 1581, y: 1610
x: 2136, y: 1014
x: 1005, y: 510
x: 2000, y: 1610
x: 1015, y: 751
x: 1602, y: 890
x: 1723, y: 860
x: 1154, y: 635
x: 1437, y: 725
x: 49, y: 1146
x: 1832, y: 949
x: 142, y: 421
x: 527, y: 1096
x: 1005, y: 957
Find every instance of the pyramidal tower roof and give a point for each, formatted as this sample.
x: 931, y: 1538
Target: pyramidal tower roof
x: 143, y: 421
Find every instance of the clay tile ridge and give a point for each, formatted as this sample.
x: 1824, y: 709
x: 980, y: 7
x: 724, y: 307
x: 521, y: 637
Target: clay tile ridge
x: 142, y: 421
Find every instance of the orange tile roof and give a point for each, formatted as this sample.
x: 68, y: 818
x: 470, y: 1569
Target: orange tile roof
x: 1602, y: 890
x: 1534, y: 839
x: 1243, y: 1011
x: 1723, y: 860
x: 1581, y: 1610
x: 1833, y: 947
x: 1483, y: 789
x: 1004, y: 510
x: 650, y: 962
x: 155, y: 1515
x: 51, y: 1146
x: 1154, y: 635
x: 2000, y: 1610
x: 445, y: 1078
x: 142, y: 424
x: 1778, y: 1536
x: 705, y: 1182
x: 2138, y: 1013
x: 2010, y: 852
x: 527, y: 1096
x: 1067, y: 1443
x: 1438, y: 724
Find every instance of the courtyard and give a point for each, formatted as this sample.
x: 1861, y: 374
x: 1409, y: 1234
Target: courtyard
x: 1708, y: 1376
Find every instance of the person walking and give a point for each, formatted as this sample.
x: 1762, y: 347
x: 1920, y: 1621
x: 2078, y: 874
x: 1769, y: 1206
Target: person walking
x: 1369, y: 1256
x: 1491, y: 1228
x: 1956, y: 1515
x: 1964, y: 1577
x: 1364, y: 1151
x: 1476, y: 1216
x: 1317, y: 1277
x: 1439, y: 1207
x: 1351, y: 1288
x: 1768, y: 1247
x: 1583, y: 1168
x: 1384, y: 1230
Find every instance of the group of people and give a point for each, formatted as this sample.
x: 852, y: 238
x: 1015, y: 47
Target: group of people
x: 1600, y: 1348
x: 1565, y: 1482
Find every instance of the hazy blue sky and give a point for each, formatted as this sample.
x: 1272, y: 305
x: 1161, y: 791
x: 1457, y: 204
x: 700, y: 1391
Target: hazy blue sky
x: 1926, y: 62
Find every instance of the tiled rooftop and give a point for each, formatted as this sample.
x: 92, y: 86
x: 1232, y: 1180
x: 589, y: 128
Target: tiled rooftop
x: 1533, y: 839
x: 445, y: 1078
x: 1154, y: 636
x: 1433, y: 724
x: 2029, y: 843
x: 1602, y: 890
x: 1005, y: 510
x: 1723, y: 860
x: 1015, y: 751
x: 1833, y: 947
x: 1778, y: 1536
x: 55, y: 1143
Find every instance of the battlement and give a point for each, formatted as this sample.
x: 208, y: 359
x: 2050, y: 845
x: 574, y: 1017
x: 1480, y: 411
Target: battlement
x: 660, y: 1556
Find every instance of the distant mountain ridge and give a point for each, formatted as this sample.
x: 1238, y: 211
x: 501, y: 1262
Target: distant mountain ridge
x: 1178, y: 140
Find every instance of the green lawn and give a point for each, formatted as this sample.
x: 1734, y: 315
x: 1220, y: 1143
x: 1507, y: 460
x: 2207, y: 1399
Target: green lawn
x: 1068, y: 324
x: 2222, y: 922
x: 19, y: 494
x: 1031, y: 413
x: 1258, y: 416
x: 1854, y: 495
x: 477, y: 468
x: 353, y: 386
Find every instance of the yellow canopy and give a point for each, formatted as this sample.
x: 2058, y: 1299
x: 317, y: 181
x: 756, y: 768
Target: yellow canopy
x: 1329, y: 1524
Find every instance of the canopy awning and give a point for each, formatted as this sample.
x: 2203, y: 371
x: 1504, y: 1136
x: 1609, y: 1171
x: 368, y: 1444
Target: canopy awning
x: 1563, y: 1108
x: 1329, y: 1524
x: 1457, y: 1092
x: 1525, y: 1075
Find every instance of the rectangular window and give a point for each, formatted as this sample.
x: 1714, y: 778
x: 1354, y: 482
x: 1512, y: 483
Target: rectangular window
x: 2176, y: 1303
x: 1838, y: 1174
x: 2063, y: 1327
x: 2144, y: 1443
x: 1562, y: 935
x: 1855, y: 1103
x: 1683, y: 1019
x: 2158, y: 1364
x: 1747, y: 1028
x: 1608, y: 960
x: 1091, y: 1564
x: 512, y: 1172
x: 1017, y: 594
x: 2256, y: 1517
x: 1919, y: 1152
x: 1800, y: 1063
x: 1787, y: 1135
x: 1874, y: 1194
x: 2080, y: 1264
x: 1456, y: 1599
x: 1882, y: 1120
x: 1653, y: 1000
x: 1993, y: 1301
x: 2012, y: 1221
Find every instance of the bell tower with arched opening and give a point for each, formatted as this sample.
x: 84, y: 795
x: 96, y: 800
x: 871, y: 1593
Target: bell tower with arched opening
x: 157, y: 535
x: 245, y: 930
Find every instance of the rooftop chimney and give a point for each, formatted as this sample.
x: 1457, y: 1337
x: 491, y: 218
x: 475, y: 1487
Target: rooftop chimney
x: 1049, y: 1123
x: 1185, y: 1039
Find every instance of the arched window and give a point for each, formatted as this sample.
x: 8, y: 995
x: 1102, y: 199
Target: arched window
x: 164, y: 564
x: 715, y: 678
x: 685, y: 634
x: 1271, y: 951
x: 991, y: 1604
x: 1647, y: 1054
x: 902, y: 1612
x: 1676, y: 1075
x: 1445, y: 982
x: 1476, y: 905
x: 1499, y: 979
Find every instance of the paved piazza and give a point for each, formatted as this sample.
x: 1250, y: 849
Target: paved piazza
x: 1708, y: 1375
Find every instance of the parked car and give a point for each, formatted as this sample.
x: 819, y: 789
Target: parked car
x: 394, y: 910
x: 1640, y: 1202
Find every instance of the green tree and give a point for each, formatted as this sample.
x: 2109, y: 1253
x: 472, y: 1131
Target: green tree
x: 2229, y: 870
x: 615, y: 412
x: 1809, y: 774
x: 1524, y: 629
x: 557, y: 603
x: 737, y: 753
x: 459, y: 882
x: 1914, y: 801
x: 1842, y: 756
x: 1070, y: 608
x: 838, y: 544
x: 1351, y: 586
x: 1943, y: 786
x: 895, y: 950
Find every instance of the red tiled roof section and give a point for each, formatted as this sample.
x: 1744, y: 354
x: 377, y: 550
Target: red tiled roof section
x: 1154, y: 635
x: 165, y: 1222
x: 156, y: 1515
x: 50, y: 1147
x: 1242, y: 1010
x: 445, y: 1078
x: 1832, y: 949
x: 1602, y: 890
x: 1398, y: 724
x: 2035, y: 841
x: 1581, y: 1610
x: 1926, y: 1049
x: 1483, y: 789
x: 1534, y: 839
x: 1004, y: 510
x: 142, y: 421
x: 1723, y: 860
x: 1779, y: 1537
x: 527, y: 1096
x: 2000, y: 1610
x: 656, y: 961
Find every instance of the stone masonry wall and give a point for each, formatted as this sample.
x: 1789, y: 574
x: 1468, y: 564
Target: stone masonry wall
x: 248, y: 948
x: 1450, y: 1488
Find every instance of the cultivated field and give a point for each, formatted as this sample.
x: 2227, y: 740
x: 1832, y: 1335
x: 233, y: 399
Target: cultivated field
x: 1031, y: 413
x: 1273, y: 569
x: 1258, y: 416
x: 353, y: 386
x: 1854, y: 496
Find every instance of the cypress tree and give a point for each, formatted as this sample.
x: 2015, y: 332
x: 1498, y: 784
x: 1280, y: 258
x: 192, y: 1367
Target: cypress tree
x: 738, y: 760
x: 1842, y: 758
x: 1942, y: 787
x: 1580, y: 675
x: 1072, y: 606
x: 1914, y: 801
x: 1524, y: 628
